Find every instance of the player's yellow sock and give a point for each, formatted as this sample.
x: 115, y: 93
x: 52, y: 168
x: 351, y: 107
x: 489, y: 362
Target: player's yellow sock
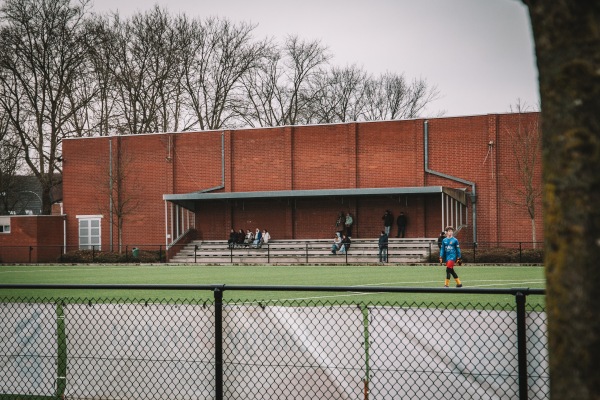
x: 457, y: 281
x: 447, y: 282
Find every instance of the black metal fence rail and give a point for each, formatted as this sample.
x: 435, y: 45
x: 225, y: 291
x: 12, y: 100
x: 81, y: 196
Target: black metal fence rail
x: 304, y: 252
x: 504, y: 252
x: 147, y: 253
x: 300, y: 252
x: 311, y: 252
x: 66, y: 348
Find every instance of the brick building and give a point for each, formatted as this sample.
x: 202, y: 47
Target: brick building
x: 31, y: 238
x: 294, y: 180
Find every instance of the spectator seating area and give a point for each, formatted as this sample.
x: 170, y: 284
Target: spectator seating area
x: 315, y: 251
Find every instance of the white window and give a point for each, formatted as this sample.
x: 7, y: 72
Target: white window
x: 90, y: 232
x: 4, y: 224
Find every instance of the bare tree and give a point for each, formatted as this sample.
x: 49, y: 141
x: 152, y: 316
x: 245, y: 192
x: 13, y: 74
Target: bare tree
x: 567, y: 47
x: 102, y: 112
x: 218, y: 55
x: 304, y: 61
x: 42, y: 64
x: 119, y: 195
x: 525, y: 140
x: 280, y: 93
x: 339, y: 95
x: 391, y: 97
x: 260, y: 85
x: 143, y: 58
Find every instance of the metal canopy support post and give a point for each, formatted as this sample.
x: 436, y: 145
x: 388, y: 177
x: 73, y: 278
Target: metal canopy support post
x: 452, y: 212
x: 176, y: 218
x: 166, y: 224
x: 443, y: 210
x: 171, y: 219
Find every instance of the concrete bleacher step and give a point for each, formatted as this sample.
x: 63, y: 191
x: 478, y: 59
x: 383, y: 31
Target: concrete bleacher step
x: 412, y: 250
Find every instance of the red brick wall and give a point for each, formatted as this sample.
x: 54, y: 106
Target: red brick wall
x: 43, y: 233
x: 390, y: 154
x: 259, y: 160
x: 514, y: 223
x: 323, y: 157
x: 353, y: 155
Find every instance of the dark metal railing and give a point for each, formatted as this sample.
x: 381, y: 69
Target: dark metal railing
x: 480, y: 252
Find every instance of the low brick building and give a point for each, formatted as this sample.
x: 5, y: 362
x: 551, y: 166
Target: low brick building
x: 31, y: 238
x: 294, y: 180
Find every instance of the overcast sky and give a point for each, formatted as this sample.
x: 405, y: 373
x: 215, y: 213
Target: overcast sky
x: 479, y: 53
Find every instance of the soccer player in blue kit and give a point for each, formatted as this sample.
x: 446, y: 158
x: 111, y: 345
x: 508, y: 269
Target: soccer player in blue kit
x: 450, y: 254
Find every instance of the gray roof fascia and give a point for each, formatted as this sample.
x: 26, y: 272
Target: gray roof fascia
x: 198, y: 196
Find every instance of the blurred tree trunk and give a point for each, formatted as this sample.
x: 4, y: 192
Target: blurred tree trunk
x: 567, y: 37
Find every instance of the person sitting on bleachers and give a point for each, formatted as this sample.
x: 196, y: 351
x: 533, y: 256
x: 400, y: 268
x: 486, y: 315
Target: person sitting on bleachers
x: 249, y: 238
x: 257, y: 239
x: 232, y: 239
x: 337, y: 242
x: 265, y: 236
x: 241, y: 236
x: 345, y: 244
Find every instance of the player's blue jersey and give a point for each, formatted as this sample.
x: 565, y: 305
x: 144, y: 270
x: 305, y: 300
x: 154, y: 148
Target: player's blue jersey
x: 450, y: 249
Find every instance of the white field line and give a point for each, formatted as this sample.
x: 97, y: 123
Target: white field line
x: 498, y: 283
x: 90, y: 268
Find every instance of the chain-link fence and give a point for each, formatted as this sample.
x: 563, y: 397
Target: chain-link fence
x: 98, y: 348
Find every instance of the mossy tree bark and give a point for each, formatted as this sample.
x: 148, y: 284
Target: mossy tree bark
x: 567, y: 40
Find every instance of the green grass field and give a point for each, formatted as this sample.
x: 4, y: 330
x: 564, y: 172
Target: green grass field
x: 373, y: 276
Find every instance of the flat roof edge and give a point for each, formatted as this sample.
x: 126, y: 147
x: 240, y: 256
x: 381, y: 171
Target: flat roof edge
x: 303, y: 193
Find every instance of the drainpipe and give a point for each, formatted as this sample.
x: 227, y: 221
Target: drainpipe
x: 110, y: 193
x: 62, y: 212
x: 473, y: 194
x: 222, y: 186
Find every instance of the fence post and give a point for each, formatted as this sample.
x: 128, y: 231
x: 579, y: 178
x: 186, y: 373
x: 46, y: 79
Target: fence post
x: 521, y: 345
x: 30, y: 250
x: 474, y: 247
x: 93, y: 252
x: 520, y: 253
x: 268, y: 253
x: 218, y: 344
x: 306, y: 245
x: 195, y: 250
